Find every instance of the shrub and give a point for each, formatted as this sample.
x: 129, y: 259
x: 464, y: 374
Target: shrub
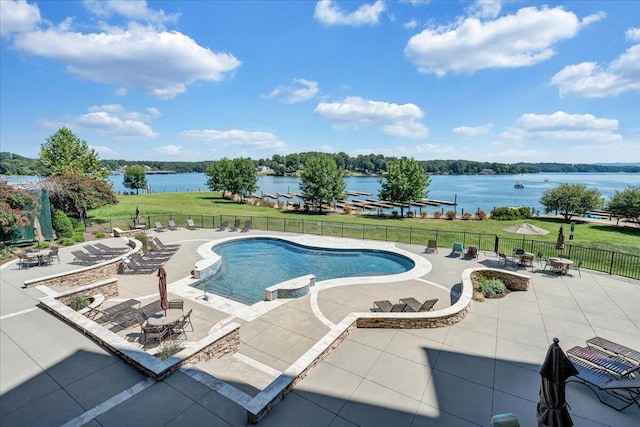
x: 143, y: 238
x: 481, y: 215
x: 98, y: 234
x: 524, y: 212
x: 8, y: 252
x: 66, y: 241
x: 347, y: 209
x: 423, y: 215
x: 42, y: 245
x: 79, y: 303
x: 168, y: 349
x: 62, y: 224
x: 437, y: 214
x: 467, y: 216
x: 506, y: 213
x: 395, y: 214
x: 451, y: 215
x: 78, y: 237
x: 490, y: 287
x: 410, y: 214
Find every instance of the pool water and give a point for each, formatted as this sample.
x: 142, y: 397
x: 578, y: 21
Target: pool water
x: 251, y: 265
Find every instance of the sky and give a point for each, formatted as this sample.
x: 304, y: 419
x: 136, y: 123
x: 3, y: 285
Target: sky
x: 496, y: 81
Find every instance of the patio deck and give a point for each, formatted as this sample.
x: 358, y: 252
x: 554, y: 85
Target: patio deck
x: 459, y: 375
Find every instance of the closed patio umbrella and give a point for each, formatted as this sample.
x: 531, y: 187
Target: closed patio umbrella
x: 162, y: 287
x: 37, y: 231
x: 552, y: 408
x: 560, y: 242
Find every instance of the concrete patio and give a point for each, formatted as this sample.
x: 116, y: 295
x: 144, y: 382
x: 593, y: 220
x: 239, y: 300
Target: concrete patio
x: 51, y: 374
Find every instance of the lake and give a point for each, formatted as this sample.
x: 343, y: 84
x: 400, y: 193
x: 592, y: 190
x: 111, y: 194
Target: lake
x: 472, y: 191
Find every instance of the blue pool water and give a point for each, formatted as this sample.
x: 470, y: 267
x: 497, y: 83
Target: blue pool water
x: 251, y: 265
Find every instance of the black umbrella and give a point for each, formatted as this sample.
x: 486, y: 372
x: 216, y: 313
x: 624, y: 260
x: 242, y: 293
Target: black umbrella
x: 560, y: 242
x: 552, y: 408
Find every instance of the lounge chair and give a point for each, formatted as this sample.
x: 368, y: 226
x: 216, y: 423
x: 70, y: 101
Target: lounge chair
x: 247, y: 226
x: 472, y: 252
x: 626, y: 389
x: 159, y: 227
x: 109, y: 250
x: 155, y: 255
x: 236, y: 225
x: 164, y: 247
x: 108, y: 314
x: 191, y: 225
x: 417, y: 306
x: 384, y: 306
x: 604, y: 361
x: 432, y: 246
x: 158, y: 248
x: 457, y: 248
x: 99, y: 252
x: 172, y: 225
x: 615, y: 349
x: 223, y: 226
x: 137, y: 268
x: 85, y: 258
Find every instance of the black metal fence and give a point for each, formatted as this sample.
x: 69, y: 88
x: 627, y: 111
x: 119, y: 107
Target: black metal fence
x: 616, y: 263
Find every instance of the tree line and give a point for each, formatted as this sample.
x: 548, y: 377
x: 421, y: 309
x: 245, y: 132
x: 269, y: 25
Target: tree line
x: 290, y: 164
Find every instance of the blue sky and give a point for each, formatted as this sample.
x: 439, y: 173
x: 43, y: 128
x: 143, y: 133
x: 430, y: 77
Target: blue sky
x: 201, y: 80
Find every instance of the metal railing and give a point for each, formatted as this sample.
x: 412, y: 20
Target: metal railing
x: 610, y: 262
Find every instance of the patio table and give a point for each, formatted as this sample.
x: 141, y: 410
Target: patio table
x: 561, y: 264
x: 160, y: 319
x: 38, y: 255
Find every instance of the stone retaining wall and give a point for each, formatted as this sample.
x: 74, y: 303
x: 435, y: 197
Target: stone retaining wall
x: 108, y: 288
x: 398, y: 321
x: 512, y: 280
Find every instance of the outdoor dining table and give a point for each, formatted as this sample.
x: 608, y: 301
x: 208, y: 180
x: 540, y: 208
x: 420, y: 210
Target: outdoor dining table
x: 38, y: 255
x: 562, y: 264
x: 160, y: 319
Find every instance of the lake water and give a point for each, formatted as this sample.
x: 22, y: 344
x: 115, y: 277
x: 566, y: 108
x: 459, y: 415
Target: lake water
x: 471, y: 191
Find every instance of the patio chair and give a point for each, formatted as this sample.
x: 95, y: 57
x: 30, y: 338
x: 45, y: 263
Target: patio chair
x: 223, y: 226
x: 504, y: 259
x: 416, y: 306
x: 24, y: 260
x: 457, y: 248
x: 577, y: 267
x: 154, y: 333
x: 172, y: 225
x: 178, y: 328
x: 540, y: 258
x: 247, y: 226
x: 432, y: 246
x: 159, y: 227
x: 626, y: 389
x: 236, y: 225
x: 472, y: 252
x: 191, y: 225
x: 176, y: 304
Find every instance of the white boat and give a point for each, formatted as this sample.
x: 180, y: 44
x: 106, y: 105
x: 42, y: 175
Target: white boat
x: 519, y: 185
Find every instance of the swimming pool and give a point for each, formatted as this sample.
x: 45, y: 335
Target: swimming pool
x: 251, y: 265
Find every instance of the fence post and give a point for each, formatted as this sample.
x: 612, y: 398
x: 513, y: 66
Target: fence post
x: 410, y: 235
x: 362, y: 231
x: 284, y: 225
x: 611, y: 262
x: 342, y: 229
x: 386, y: 233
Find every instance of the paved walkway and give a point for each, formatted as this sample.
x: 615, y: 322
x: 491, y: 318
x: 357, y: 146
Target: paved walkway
x: 51, y: 374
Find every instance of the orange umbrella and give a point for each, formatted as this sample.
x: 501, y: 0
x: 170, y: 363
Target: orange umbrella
x: 162, y: 287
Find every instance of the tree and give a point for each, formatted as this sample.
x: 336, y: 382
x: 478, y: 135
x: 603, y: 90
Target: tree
x: 626, y: 204
x: 16, y: 208
x: 74, y: 193
x: 135, y: 177
x: 405, y: 181
x: 237, y: 176
x: 571, y: 199
x: 64, y: 152
x: 321, y: 181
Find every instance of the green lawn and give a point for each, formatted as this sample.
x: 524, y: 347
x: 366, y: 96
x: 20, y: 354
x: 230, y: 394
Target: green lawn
x: 590, y: 235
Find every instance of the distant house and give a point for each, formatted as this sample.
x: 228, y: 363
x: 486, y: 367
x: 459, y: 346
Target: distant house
x: 262, y: 169
x: 486, y: 172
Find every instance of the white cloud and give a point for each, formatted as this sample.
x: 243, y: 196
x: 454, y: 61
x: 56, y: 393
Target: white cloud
x: 111, y: 120
x: 169, y: 150
x: 592, y: 80
x: 158, y: 63
x: 234, y: 137
x: 104, y: 151
x: 522, y: 39
x: 411, y: 24
x: 392, y: 119
x: 17, y: 16
x: 330, y: 13
x: 473, y: 131
x: 633, y: 34
x: 130, y: 9
x: 300, y: 90
x: 563, y: 126
x: 485, y: 8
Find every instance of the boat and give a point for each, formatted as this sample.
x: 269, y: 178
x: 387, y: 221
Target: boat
x: 519, y: 185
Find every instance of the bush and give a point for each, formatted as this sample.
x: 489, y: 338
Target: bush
x: 143, y: 238
x: 78, y: 237
x: 467, y: 216
x: 410, y: 214
x: 62, y: 224
x: 8, y: 252
x: 481, y: 215
x: 79, y: 303
x: 423, y: 215
x: 66, y: 241
x: 490, y: 287
x: 42, y: 245
x: 98, y: 234
x: 506, y: 213
x: 347, y: 209
x: 168, y: 349
x: 451, y: 215
x: 437, y: 214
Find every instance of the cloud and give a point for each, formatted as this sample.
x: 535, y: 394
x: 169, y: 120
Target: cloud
x: 411, y: 24
x: 358, y: 113
x: 135, y: 10
x: 169, y: 150
x: 17, y: 16
x: 329, y: 13
x: 301, y: 90
x: 522, y: 39
x: 104, y: 151
x: 563, y: 126
x: 591, y: 80
x: 234, y: 137
x: 485, y: 8
x: 159, y: 63
x: 111, y: 120
x: 473, y: 131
